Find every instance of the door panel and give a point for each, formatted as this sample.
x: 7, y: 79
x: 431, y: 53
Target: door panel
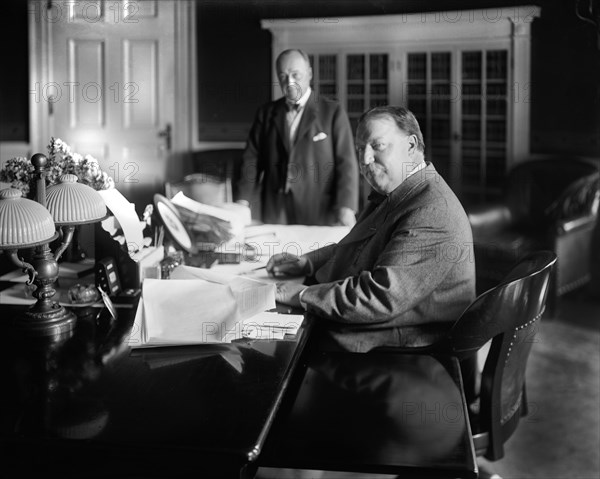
x: 112, y: 65
x: 140, y: 107
x: 86, y: 66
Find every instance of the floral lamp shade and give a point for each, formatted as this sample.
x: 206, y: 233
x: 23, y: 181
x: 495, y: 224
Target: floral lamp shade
x: 23, y: 222
x: 73, y: 203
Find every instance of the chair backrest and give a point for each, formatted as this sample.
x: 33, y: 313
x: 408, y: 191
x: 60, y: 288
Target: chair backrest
x: 202, y: 187
x: 212, y: 176
x: 507, y: 315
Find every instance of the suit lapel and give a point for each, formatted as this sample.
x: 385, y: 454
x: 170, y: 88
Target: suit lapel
x: 278, y: 119
x: 309, y: 117
x: 368, y: 226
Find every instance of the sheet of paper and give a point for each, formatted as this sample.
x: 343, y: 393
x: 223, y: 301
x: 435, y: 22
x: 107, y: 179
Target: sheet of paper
x: 245, y: 268
x: 16, y: 276
x: 264, y: 277
x: 16, y: 294
x: 251, y: 296
x: 267, y: 240
x: 268, y: 325
x: 263, y: 241
x: 197, y: 306
x: 65, y: 270
x: 125, y: 213
x: 188, y: 311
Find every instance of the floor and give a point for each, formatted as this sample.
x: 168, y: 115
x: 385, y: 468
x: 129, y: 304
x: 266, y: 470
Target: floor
x: 560, y: 438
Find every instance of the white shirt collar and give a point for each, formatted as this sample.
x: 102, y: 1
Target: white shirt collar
x: 419, y: 167
x: 304, y: 98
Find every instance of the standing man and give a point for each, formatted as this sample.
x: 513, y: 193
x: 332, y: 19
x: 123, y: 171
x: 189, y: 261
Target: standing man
x: 299, y: 157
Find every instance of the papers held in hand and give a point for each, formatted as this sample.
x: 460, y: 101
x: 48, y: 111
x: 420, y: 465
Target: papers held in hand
x: 200, y: 306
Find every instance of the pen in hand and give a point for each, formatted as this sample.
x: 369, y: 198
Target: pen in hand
x: 289, y: 261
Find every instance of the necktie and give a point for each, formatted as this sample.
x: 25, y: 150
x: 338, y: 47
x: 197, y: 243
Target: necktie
x: 292, y: 120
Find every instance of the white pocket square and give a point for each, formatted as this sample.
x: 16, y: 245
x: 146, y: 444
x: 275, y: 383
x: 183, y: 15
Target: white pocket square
x: 319, y: 136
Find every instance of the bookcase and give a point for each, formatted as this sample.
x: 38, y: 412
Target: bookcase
x: 465, y: 75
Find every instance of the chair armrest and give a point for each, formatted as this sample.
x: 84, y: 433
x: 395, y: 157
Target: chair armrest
x: 432, y: 349
x: 490, y: 219
x: 573, y: 224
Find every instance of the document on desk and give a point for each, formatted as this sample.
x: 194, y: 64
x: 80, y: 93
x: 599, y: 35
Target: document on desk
x: 200, y: 306
x: 270, y: 325
x: 268, y: 240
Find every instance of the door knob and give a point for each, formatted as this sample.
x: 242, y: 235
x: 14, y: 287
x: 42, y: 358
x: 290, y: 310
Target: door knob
x: 166, y: 134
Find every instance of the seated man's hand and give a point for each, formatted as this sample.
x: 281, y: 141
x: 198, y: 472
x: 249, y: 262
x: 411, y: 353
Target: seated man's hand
x: 345, y: 217
x: 288, y: 265
x: 289, y: 293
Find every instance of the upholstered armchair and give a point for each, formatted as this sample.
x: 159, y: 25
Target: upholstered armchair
x: 548, y: 204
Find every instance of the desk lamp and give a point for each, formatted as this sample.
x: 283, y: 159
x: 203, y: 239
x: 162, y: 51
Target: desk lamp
x: 26, y: 223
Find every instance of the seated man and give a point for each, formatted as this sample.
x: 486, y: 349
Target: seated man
x: 405, y: 271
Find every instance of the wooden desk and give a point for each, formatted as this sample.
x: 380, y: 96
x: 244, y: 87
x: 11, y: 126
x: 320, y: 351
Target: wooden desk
x: 87, y: 406
x: 377, y: 412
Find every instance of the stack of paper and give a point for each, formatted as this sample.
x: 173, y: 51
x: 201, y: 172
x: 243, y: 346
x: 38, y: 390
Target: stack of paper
x: 200, y: 306
x: 270, y: 325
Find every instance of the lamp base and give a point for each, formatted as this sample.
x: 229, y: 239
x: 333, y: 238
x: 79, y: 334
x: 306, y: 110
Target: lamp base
x: 55, y: 321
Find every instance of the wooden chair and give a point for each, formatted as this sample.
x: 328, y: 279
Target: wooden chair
x: 508, y: 316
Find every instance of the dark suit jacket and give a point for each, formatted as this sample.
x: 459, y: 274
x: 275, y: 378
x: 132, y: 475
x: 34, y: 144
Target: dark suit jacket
x: 323, y: 170
x: 403, y: 274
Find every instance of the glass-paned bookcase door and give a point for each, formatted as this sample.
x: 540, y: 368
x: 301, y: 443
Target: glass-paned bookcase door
x: 461, y: 101
x: 325, y: 75
x: 429, y: 97
x: 367, y: 83
x: 484, y: 117
x: 364, y: 84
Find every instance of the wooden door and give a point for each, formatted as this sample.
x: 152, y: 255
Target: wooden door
x: 112, y: 82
